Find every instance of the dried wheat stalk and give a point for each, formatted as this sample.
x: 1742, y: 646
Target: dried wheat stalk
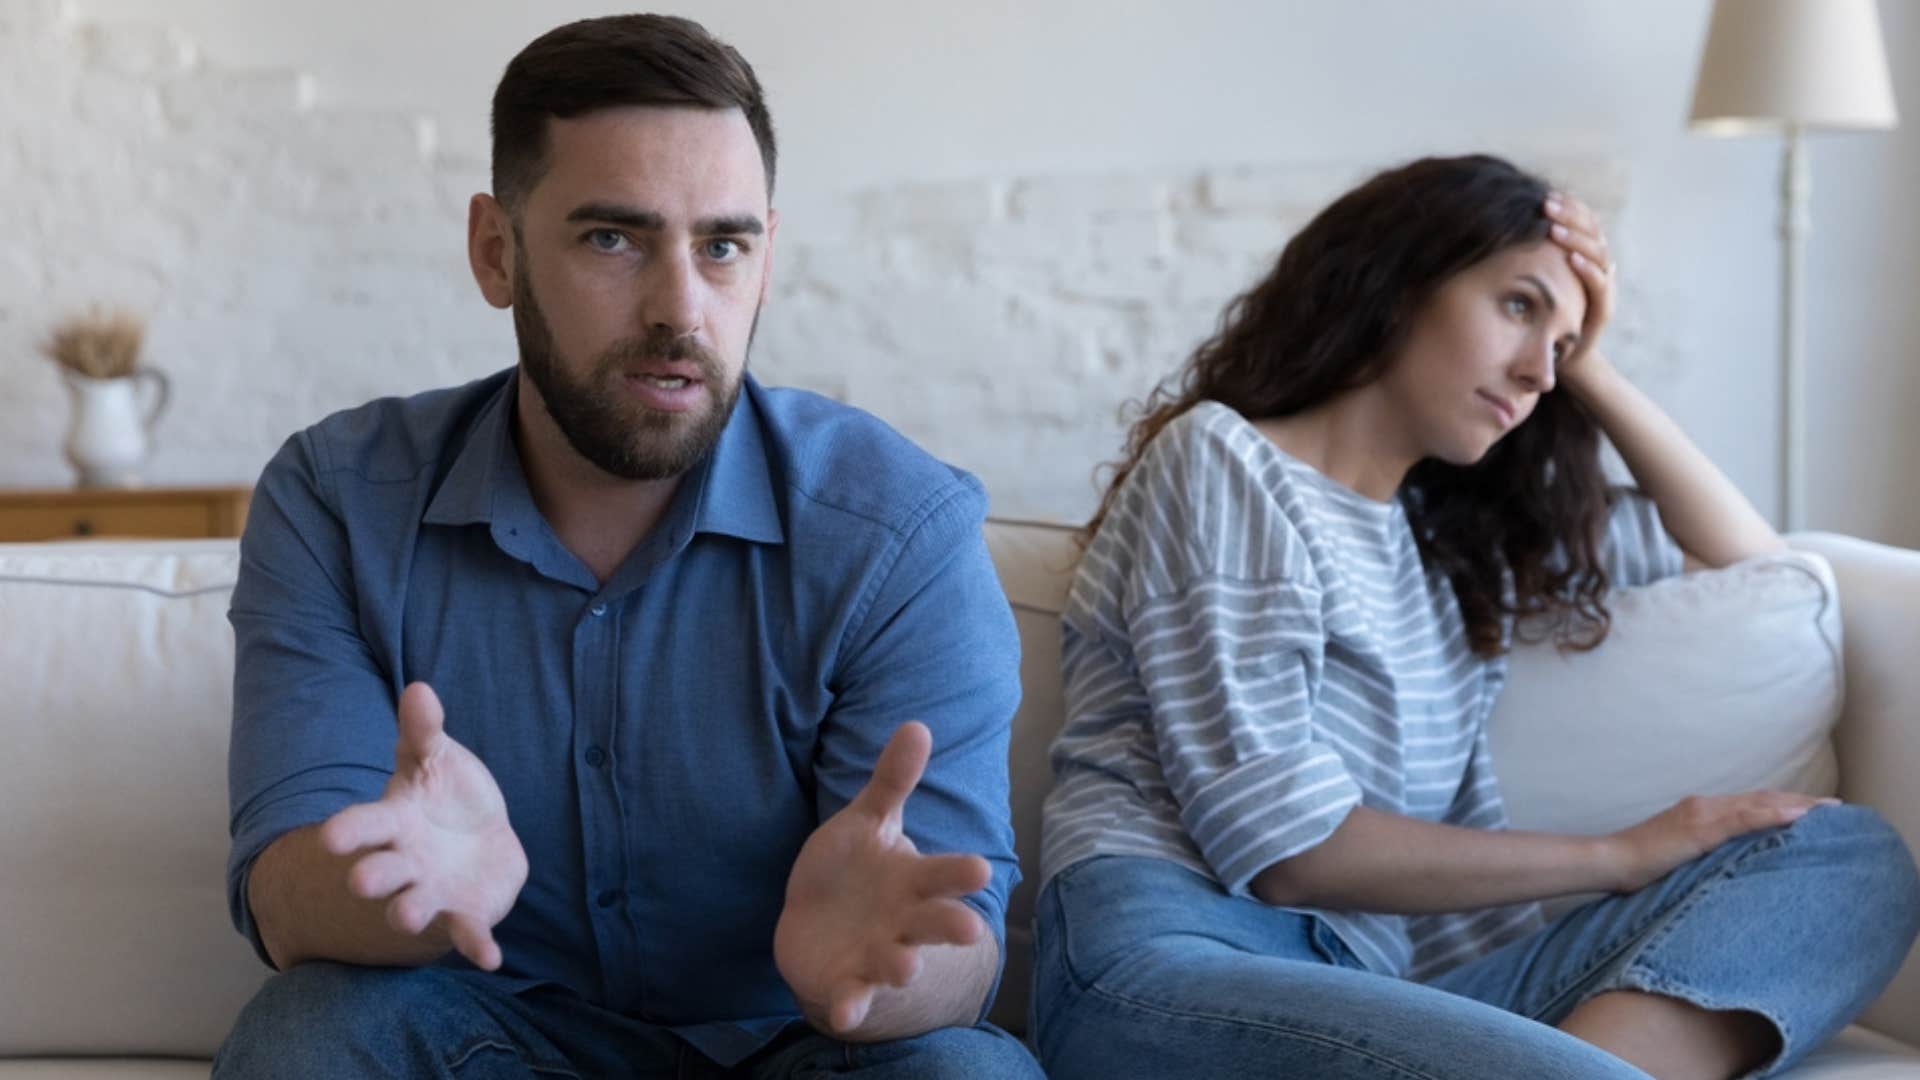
x: 98, y: 345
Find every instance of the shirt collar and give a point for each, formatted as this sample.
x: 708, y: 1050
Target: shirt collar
x: 737, y: 496
x: 733, y: 485
x: 466, y: 495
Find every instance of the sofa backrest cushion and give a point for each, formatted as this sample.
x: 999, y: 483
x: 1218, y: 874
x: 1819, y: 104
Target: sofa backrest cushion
x: 116, y: 668
x: 1035, y: 562
x: 1717, y: 681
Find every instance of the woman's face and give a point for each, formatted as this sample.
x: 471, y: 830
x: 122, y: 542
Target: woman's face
x: 1482, y: 351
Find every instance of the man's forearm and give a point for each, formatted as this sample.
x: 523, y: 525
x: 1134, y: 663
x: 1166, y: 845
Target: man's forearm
x: 948, y: 992
x: 304, y: 911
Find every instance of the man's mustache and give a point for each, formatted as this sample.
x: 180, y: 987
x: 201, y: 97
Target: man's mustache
x: 661, y: 344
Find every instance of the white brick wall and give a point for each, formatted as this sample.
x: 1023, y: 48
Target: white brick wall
x: 1016, y: 358
x: 291, y: 261
x: 295, y: 260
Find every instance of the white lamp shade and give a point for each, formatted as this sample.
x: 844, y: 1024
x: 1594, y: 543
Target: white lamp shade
x: 1773, y: 64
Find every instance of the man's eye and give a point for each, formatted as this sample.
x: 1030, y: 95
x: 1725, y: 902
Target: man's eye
x: 607, y: 240
x: 722, y: 250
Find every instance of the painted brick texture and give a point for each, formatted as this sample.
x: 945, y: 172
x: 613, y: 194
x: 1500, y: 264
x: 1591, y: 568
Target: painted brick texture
x: 295, y: 260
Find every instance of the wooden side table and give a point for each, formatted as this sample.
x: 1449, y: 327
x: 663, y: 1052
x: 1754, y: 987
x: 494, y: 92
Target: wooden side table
x: 123, y: 512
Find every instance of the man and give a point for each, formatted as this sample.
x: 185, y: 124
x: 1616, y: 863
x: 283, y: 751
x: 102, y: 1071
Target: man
x: 571, y: 706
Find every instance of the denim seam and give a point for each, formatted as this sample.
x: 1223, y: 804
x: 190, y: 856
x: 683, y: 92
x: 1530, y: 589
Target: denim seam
x: 1611, y: 952
x: 1636, y: 973
x: 1060, y: 883
x: 489, y: 1043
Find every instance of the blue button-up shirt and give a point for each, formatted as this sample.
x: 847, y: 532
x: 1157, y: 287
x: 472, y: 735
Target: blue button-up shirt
x: 665, y: 741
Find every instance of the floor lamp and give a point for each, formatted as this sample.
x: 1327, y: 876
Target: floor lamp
x: 1788, y: 67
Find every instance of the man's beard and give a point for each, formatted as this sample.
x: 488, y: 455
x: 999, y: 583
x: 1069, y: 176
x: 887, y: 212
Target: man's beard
x: 599, y: 417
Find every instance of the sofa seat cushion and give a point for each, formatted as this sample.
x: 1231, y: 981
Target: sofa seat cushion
x: 106, y: 1069
x: 1856, y: 1054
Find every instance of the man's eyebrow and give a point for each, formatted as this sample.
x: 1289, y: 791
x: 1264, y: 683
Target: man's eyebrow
x: 729, y: 225
x: 648, y: 221
x: 1545, y: 293
x: 615, y: 214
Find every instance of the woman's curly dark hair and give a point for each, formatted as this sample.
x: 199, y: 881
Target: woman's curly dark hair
x: 1331, y: 317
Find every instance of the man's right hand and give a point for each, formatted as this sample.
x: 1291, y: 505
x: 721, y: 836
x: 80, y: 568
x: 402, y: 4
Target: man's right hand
x: 437, y: 846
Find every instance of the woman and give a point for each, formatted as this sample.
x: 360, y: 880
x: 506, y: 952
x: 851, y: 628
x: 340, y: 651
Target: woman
x: 1275, y: 845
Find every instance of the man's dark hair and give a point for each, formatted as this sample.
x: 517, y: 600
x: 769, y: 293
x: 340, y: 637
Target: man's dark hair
x: 609, y: 62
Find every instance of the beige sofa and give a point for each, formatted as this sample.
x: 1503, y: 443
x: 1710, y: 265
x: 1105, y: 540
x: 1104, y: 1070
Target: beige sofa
x: 117, y: 959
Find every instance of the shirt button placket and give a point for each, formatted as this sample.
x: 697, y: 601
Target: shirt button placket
x: 594, y: 672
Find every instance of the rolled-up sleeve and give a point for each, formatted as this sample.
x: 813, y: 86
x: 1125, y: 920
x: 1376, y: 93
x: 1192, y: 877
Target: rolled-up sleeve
x: 313, y: 717
x: 1230, y: 667
x: 937, y: 644
x: 1224, y: 629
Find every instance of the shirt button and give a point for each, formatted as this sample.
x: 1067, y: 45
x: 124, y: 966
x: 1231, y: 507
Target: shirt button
x: 597, y: 610
x: 596, y: 757
x: 607, y: 898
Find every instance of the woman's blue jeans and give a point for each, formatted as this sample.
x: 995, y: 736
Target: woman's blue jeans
x: 1145, y: 969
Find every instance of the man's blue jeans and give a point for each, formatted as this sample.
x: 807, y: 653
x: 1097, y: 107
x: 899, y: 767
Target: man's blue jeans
x: 336, y: 1021
x: 1145, y: 969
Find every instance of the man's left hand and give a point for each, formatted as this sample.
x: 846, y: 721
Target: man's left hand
x: 862, y: 900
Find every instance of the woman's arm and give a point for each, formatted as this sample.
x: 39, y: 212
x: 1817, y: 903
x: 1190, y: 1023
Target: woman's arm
x: 1709, y: 517
x: 1389, y: 863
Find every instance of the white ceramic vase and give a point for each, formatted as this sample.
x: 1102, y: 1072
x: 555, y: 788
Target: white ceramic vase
x: 112, y: 426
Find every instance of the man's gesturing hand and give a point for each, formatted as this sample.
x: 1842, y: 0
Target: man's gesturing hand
x: 437, y: 847
x: 862, y: 900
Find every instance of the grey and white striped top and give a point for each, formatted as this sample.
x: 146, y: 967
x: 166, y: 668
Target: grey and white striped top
x: 1251, y: 649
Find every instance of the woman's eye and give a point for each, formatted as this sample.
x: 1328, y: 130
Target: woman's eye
x: 1519, y: 306
x: 607, y: 240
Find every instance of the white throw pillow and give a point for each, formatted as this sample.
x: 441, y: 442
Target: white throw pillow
x: 1711, y: 682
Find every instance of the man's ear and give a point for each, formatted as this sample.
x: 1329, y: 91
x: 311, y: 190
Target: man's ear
x: 490, y: 249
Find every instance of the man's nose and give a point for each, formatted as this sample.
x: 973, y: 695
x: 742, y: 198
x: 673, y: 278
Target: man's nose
x: 670, y: 295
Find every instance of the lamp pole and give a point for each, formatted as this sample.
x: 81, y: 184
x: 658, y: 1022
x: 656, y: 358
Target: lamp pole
x: 1793, y: 66
x: 1796, y: 222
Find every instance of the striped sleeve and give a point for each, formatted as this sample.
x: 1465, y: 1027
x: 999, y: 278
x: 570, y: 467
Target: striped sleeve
x: 1229, y: 653
x: 1229, y: 667
x: 1637, y: 549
